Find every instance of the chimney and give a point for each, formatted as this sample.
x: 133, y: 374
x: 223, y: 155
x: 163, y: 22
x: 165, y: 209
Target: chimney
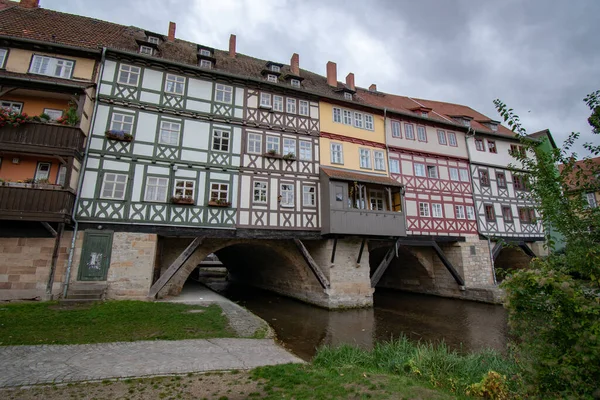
x: 350, y: 81
x: 295, y: 64
x: 332, y: 73
x: 373, y: 88
x: 172, y: 27
x: 29, y: 3
x: 232, y: 40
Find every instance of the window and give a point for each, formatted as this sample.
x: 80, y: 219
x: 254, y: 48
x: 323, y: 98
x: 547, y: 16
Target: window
x: 156, y: 189
x: 308, y: 195
x: 337, y: 155
x: 272, y: 78
x: 13, y: 106
x: 169, y: 133
x: 432, y: 171
x: 254, y: 143
x: 484, y: 177
x: 275, y: 68
x: 122, y: 122
x: 219, y: 192
x: 220, y: 140
x: 289, y: 146
x: 409, y: 131
x: 113, y: 186
x: 394, y: 166
x: 153, y: 40
x: 175, y: 84
x: 591, y: 200
x: 379, y: 160
x: 305, y: 150
x: 454, y: 174
x: 273, y: 144
x: 466, y: 122
x: 337, y: 115
x: 369, y: 122
x: 396, y: 129
x: 260, y: 192
x: 464, y: 175
x: 184, y: 188
x: 265, y: 100
x: 490, y: 214
x: 278, y: 103
x: 479, y: 145
x: 516, y: 150
x: 519, y: 182
x: 3, y: 53
x: 62, y: 175
x: 348, y: 96
x: 53, y: 114
x: 365, y: 158
x: 470, y: 213
x: 291, y: 106
x: 420, y: 170
x: 424, y: 209
x: 492, y: 146
x: 42, y: 171
x: 501, y: 179
x: 146, y: 50
x: 358, y: 120
x: 376, y: 198
x: 129, y: 75
x: 460, y: 212
x: 527, y: 215
x: 494, y: 127
x: 223, y: 93
x: 287, y: 194
x: 507, y: 214
x: 295, y: 83
x: 421, y: 134
x: 50, y: 66
x: 303, y: 107
x: 452, y: 139
x: 347, y: 117
x: 205, y: 52
x: 205, y: 64
x: 442, y: 138
x: 436, y: 210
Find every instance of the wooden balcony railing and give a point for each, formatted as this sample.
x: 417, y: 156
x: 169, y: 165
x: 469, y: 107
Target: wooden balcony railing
x: 38, y: 138
x: 36, y: 204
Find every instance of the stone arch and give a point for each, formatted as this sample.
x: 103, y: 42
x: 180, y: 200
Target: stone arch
x: 509, y: 259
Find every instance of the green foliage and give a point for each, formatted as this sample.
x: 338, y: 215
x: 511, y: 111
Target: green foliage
x: 70, y: 116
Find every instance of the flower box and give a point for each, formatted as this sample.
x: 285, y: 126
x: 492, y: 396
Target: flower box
x: 219, y: 203
x: 119, y: 135
x: 272, y: 155
x: 182, y: 200
x: 290, y: 157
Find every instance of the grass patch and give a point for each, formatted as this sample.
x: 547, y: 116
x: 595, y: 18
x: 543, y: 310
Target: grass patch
x: 111, y: 321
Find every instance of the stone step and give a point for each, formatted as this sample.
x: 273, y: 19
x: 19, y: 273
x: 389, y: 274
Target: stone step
x: 78, y: 301
x: 87, y: 286
x: 84, y: 296
x: 85, y: 291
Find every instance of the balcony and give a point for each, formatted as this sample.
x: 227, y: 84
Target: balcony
x: 39, y: 138
x: 366, y: 222
x: 31, y: 203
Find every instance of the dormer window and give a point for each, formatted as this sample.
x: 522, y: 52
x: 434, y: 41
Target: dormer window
x: 272, y: 78
x: 466, y: 122
x: 347, y: 96
x: 295, y: 83
x: 494, y: 127
x: 424, y: 114
x: 275, y: 68
x: 205, y: 64
x: 153, y: 40
x: 146, y: 50
x: 204, y: 52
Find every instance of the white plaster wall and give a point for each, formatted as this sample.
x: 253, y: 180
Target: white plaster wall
x: 152, y: 79
x: 196, y: 134
x: 199, y: 88
x: 145, y: 129
x: 108, y: 72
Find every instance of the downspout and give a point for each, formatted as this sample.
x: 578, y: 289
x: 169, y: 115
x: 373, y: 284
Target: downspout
x: 80, y: 180
x: 467, y: 137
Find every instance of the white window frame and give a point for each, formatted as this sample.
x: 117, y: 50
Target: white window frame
x: 336, y: 151
x: 394, y: 166
x: 14, y: 106
x: 437, y: 210
x: 396, y: 129
x: 454, y: 174
x: 115, y: 182
x: 272, y: 78
x: 181, y: 186
x: 442, y: 137
x: 347, y: 96
x: 464, y: 174
x: 224, y: 140
x: 3, y: 53
x: 49, y: 66
x: 115, y: 120
x: 295, y: 83
x: 223, y: 93
x: 153, y: 40
x: 347, y: 117
x: 379, y: 160
x: 219, y: 190
x: 286, y: 191
x: 303, y: 107
x: 174, y: 84
x: 432, y: 172
x: 424, y: 210
x: 45, y: 174
x: 470, y: 211
x: 409, y: 131
x: 452, y: 139
x: 459, y: 212
x: 305, y: 150
x: 290, y: 105
x: 420, y: 170
x: 271, y: 140
x: 205, y: 52
x: 379, y: 197
x: 254, y: 143
x: 358, y: 120
x: 369, y: 124
x: 591, y: 200
x: 364, y: 157
x: 161, y: 186
x: 129, y: 71
x: 277, y: 103
x: 170, y: 130
x: 206, y: 64
x: 275, y: 68
x: 309, y: 195
x: 53, y: 113
x: 260, y: 192
x: 421, y: 133
x: 146, y: 50
x: 337, y: 115
x: 61, y: 175
x: 289, y: 146
x: 265, y: 100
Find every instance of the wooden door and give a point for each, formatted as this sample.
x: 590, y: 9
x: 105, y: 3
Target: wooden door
x: 95, y: 256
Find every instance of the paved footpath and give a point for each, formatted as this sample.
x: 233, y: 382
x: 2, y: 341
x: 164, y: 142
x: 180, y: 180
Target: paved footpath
x: 29, y: 365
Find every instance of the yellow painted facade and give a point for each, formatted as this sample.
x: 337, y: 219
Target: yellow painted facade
x: 36, y: 105
x: 327, y: 125
x: 351, y: 156
x: 19, y: 61
x: 25, y: 168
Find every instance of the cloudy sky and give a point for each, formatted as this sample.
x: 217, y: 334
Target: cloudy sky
x: 541, y: 57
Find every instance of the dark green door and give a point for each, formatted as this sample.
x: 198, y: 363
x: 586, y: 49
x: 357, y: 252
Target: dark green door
x: 95, y: 256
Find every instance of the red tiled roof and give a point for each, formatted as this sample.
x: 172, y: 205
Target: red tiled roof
x: 345, y: 175
x: 589, y: 167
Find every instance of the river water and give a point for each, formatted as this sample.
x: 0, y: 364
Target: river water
x: 302, y: 328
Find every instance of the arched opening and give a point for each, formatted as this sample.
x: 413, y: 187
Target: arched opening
x: 405, y: 272
x: 510, y: 259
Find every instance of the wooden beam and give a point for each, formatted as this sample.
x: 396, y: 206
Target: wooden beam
x: 383, y: 265
x: 362, y: 247
x: 6, y: 89
x: 448, y: 264
x: 49, y: 228
x: 333, y: 250
x: 312, y: 264
x: 527, y: 250
x: 55, y: 252
x: 496, y: 250
x: 173, y: 268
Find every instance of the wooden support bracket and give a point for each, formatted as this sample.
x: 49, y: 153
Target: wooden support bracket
x: 333, y: 250
x: 177, y: 264
x: 527, y: 250
x: 49, y: 228
x: 383, y: 265
x: 312, y: 264
x: 448, y: 264
x: 55, y: 252
x: 362, y: 247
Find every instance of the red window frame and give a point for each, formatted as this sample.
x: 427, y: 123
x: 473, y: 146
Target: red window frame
x: 479, y: 146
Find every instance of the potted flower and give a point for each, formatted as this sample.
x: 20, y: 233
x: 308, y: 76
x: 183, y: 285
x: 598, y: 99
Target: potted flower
x: 214, y: 202
x: 289, y: 157
x: 13, y: 118
x: 118, y: 135
x: 188, y: 200
x: 272, y: 153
